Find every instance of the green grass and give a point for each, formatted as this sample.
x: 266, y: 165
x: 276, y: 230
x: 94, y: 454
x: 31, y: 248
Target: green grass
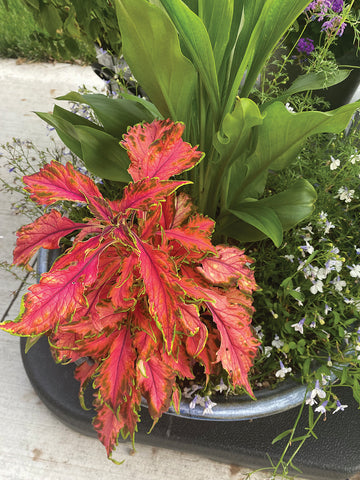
x: 21, y: 37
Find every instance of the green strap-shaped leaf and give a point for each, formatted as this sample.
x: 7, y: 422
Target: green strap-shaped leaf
x: 314, y: 81
x: 151, y: 48
x: 264, y: 22
x: 217, y: 18
x: 115, y: 114
x: 196, y: 39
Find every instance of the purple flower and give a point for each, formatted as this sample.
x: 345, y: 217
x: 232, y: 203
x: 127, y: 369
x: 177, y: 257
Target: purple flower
x: 305, y: 45
x: 337, y: 5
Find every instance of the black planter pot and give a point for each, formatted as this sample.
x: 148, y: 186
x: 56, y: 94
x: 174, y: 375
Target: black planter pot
x: 223, y: 437
x: 335, y: 455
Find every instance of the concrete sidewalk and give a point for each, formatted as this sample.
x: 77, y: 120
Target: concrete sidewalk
x: 33, y: 443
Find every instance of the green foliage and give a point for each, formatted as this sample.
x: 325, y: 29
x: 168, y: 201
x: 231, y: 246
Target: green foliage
x: 22, y: 36
x: 242, y: 142
x: 71, y: 21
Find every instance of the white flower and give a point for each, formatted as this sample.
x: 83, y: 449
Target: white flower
x: 321, y: 408
x: 208, y: 406
x: 327, y: 309
x: 335, y: 163
x: 277, y: 343
x: 221, y: 387
x: 317, y: 287
x: 283, y: 371
x: 267, y: 351
x: 345, y: 194
x: 355, y: 271
x: 339, y: 407
x: 321, y: 273
x: 338, y: 284
x: 315, y: 392
x: 307, y: 248
x: 289, y: 257
x: 328, y: 227
x: 258, y: 330
x: 354, y: 159
x: 289, y: 107
x: 299, y: 327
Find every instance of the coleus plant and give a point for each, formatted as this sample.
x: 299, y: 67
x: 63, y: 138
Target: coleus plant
x: 142, y: 291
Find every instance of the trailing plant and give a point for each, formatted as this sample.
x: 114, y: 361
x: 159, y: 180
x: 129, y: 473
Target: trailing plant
x: 142, y: 291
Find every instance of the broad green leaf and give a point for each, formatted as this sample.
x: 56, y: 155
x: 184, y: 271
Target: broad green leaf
x: 65, y: 130
x: 103, y: 155
x: 314, y: 81
x: 291, y: 206
x: 253, y: 221
x: 282, y: 134
x: 262, y: 218
x: 196, y: 39
x: 115, y: 114
x: 51, y: 18
x: 100, y: 151
x: 152, y: 50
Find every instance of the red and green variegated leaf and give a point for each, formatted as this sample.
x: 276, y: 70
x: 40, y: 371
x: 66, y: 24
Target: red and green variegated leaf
x: 116, y: 373
x: 194, y: 236
x: 176, y: 210
x: 159, y: 276
x: 144, y: 344
x: 176, y: 398
x: 63, y: 346
x: 46, y: 232
x: 122, y: 293
x: 108, y: 318
x: 83, y: 374
x: 56, y: 182
x: 147, y: 192
x: 108, y: 426
x: 178, y: 360
x: 100, y: 208
x: 207, y: 356
x: 183, y: 209
x: 141, y: 320
x: 194, y: 327
x: 238, y: 345
x: 227, y: 267
x: 97, y: 347
x: 59, y: 292
x: 149, y: 223
x: 129, y: 413
x: 157, y: 150
x: 157, y: 386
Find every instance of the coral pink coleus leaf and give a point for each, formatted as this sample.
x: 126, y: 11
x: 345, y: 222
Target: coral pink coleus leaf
x: 56, y: 182
x: 59, y: 292
x: 228, y: 265
x: 157, y: 150
x: 116, y: 372
x: 45, y: 232
x: 159, y: 276
x: 156, y: 386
